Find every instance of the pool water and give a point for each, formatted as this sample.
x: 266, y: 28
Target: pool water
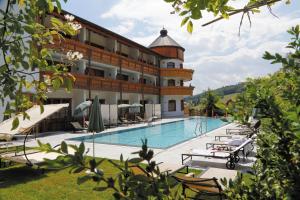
x: 159, y: 136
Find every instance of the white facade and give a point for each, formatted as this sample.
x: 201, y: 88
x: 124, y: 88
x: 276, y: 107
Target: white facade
x: 167, y: 110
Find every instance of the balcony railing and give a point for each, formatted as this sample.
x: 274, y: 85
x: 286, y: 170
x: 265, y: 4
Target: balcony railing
x: 102, y: 56
x: 99, y: 83
x: 177, y: 90
x: 186, y: 74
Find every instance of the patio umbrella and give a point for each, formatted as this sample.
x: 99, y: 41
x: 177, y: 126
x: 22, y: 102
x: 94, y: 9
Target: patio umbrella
x: 136, y: 105
x: 124, y: 106
x: 82, y: 107
x: 96, y: 123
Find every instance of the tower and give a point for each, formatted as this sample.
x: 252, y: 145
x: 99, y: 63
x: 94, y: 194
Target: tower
x: 173, y: 75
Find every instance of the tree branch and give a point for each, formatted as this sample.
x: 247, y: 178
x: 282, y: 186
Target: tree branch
x: 245, y: 9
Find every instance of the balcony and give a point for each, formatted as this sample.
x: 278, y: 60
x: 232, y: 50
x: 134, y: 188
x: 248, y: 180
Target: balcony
x: 177, y: 90
x: 99, y: 83
x: 185, y: 74
x: 105, y: 57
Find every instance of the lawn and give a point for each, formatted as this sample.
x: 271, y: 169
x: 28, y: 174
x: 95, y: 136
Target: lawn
x: 20, y: 182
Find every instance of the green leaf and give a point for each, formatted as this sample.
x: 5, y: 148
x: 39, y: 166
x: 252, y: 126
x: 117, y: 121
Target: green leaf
x: 56, y: 83
x: 15, y: 123
x: 58, y: 5
x: 190, y: 27
x: 56, y: 22
x: 184, y: 13
x: 50, y: 6
x: 196, y: 14
x: 184, y: 21
x: 81, y: 148
x: 135, y: 160
x: 64, y: 147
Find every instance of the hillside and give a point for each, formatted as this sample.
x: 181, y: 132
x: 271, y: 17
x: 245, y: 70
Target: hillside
x: 225, y: 92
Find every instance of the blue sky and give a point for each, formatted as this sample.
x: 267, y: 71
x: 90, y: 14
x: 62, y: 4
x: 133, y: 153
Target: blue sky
x: 216, y: 52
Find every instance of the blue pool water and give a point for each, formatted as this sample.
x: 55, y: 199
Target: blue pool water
x: 158, y: 136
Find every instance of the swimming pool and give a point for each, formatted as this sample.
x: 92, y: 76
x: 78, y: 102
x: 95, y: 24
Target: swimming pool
x: 160, y: 136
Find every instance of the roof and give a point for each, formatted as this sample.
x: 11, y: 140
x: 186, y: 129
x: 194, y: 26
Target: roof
x: 164, y: 40
x: 109, y: 32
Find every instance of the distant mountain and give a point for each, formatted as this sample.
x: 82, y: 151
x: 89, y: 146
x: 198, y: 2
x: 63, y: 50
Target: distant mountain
x: 223, y: 91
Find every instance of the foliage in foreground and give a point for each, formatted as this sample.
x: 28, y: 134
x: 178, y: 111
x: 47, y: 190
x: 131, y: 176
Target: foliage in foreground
x: 277, y: 169
x: 153, y: 184
x: 277, y: 99
x: 24, y: 40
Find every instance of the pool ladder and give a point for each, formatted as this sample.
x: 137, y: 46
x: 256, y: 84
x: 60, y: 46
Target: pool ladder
x: 199, y: 129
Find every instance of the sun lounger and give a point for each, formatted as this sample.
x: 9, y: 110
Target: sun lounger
x: 231, y: 143
x: 139, y: 119
x: 253, y: 128
x: 231, y: 155
x: 21, y: 132
x: 77, y: 127
x: 207, y: 183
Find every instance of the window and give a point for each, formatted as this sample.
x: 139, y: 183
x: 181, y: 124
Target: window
x: 102, y: 101
x: 95, y: 72
x: 123, y: 101
x: 171, y: 82
x: 170, y: 65
x: 172, y: 105
x: 182, y: 104
x: 122, y: 77
x: 181, y: 82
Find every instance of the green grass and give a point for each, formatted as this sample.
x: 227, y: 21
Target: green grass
x: 20, y: 182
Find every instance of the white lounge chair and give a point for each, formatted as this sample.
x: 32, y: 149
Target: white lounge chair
x: 231, y: 155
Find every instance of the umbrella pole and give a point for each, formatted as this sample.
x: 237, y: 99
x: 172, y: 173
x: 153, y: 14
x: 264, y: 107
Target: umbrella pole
x: 93, y: 144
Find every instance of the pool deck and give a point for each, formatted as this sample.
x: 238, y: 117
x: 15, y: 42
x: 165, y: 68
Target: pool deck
x: 170, y: 157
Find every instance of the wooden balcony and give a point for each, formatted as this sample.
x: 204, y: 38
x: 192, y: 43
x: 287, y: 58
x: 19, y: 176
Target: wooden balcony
x: 99, y: 83
x: 102, y: 56
x: 185, y: 74
x: 177, y: 90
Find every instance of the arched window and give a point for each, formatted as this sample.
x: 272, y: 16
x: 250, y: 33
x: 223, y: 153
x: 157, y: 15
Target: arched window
x: 170, y: 65
x: 171, y: 82
x: 172, y: 105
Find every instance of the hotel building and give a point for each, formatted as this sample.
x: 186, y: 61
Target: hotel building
x: 120, y: 70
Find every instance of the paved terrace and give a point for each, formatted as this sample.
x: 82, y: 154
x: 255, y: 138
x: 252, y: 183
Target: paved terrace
x: 170, y: 157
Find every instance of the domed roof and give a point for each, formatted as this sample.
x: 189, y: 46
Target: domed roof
x: 164, y: 40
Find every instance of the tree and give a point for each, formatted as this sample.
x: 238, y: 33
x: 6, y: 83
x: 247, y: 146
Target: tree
x: 208, y: 103
x: 24, y: 43
x: 193, y: 9
x: 277, y: 97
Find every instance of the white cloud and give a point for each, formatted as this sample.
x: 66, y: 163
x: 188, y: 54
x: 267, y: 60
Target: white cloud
x: 215, y: 52
x: 124, y: 27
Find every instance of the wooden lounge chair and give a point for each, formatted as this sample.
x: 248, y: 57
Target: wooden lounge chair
x: 208, y: 182
x: 231, y: 155
x: 138, y: 170
x: 207, y: 186
x: 77, y: 127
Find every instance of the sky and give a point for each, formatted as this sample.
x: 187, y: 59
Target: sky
x: 217, y: 54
